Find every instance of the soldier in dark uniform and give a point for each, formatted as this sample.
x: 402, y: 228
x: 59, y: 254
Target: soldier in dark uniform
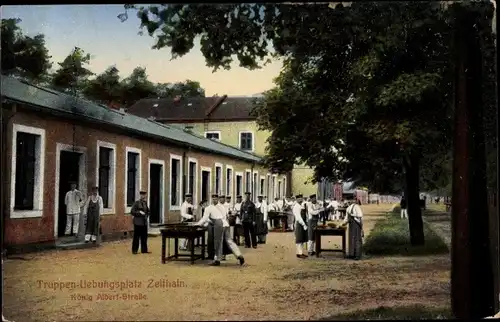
x: 140, y: 211
x: 248, y: 219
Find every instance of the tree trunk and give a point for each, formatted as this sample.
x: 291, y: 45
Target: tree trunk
x: 412, y: 194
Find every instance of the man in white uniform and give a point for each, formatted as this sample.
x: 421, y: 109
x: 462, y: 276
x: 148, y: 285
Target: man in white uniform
x: 224, y: 210
x: 314, y: 209
x: 238, y: 228
x: 221, y: 231
x: 334, y: 206
x: 300, y: 213
x: 74, y: 203
x: 187, y: 214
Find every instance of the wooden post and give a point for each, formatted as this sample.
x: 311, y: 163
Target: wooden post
x: 472, y: 279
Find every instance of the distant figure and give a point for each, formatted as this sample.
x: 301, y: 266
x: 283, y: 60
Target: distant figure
x: 402, y: 205
x: 140, y: 211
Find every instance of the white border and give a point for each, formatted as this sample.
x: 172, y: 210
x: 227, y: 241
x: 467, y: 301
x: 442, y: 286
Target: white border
x: 38, y: 194
x: 209, y: 170
x: 82, y: 178
x: 213, y: 132
x: 195, y: 184
x: 112, y: 183
x: 247, y: 171
x: 221, y: 179
x: 180, y: 175
x: 138, y: 179
x: 253, y: 140
x: 162, y: 187
x: 231, y: 188
x: 236, y: 175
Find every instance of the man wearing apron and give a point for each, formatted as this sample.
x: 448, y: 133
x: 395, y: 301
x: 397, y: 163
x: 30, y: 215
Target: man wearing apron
x: 187, y: 211
x: 261, y: 221
x: 299, y: 211
x: 314, y: 210
x: 220, y: 231
x: 238, y: 227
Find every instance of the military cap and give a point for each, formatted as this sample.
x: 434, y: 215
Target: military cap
x: 312, y: 196
x: 298, y: 196
x: 248, y: 193
x: 188, y: 195
x: 215, y: 195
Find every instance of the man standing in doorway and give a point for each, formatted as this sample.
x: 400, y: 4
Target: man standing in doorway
x: 187, y: 214
x: 73, y: 202
x: 140, y: 211
x: 248, y: 219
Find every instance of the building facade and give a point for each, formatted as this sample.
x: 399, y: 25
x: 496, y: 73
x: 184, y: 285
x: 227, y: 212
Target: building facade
x: 228, y: 120
x: 52, y: 139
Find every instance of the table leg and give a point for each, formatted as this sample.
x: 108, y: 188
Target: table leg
x: 176, y: 246
x: 192, y: 250
x: 344, y: 245
x: 283, y: 224
x: 203, y: 246
x: 163, y: 249
x: 318, y: 243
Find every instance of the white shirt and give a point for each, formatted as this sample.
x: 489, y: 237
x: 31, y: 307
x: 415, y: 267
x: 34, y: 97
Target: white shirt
x: 297, y: 208
x: 237, y: 210
x: 73, y: 202
x: 334, y: 204
x: 354, y: 211
x: 313, y: 209
x: 212, y: 213
x: 263, y: 208
x: 184, y: 210
x: 94, y: 199
x: 279, y: 203
x: 229, y: 207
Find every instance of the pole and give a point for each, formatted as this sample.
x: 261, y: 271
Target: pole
x: 472, y: 289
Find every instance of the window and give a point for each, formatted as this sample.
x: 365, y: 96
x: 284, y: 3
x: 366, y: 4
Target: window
x: 239, y: 184
x: 248, y: 181
x: 268, y: 188
x: 192, y: 173
x: 213, y: 135
x: 27, y: 171
x: 229, y: 181
x: 255, y: 183
x: 218, y: 179
x: 106, y: 174
x: 284, y: 186
x: 246, y: 141
x: 273, y: 187
x: 175, y: 181
x: 262, y: 186
x: 279, y: 189
x: 133, y: 175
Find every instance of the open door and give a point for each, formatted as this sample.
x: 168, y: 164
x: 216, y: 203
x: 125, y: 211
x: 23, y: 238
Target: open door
x: 155, y: 193
x: 205, y: 185
x: 69, y: 170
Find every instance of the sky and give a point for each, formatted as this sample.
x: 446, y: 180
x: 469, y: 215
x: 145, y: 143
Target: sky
x: 97, y: 30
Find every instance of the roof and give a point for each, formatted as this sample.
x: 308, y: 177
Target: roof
x: 195, y: 109
x: 59, y: 103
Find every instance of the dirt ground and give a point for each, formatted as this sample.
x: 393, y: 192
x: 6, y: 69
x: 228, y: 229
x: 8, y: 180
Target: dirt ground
x: 274, y: 284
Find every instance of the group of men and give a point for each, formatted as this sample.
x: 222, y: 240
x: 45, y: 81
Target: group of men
x: 228, y: 223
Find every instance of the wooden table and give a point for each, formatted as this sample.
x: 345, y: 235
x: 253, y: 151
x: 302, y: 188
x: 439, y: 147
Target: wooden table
x: 185, y: 231
x: 327, y: 231
x: 283, y: 218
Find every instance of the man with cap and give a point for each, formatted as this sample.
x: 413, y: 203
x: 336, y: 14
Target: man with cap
x: 140, y: 211
x: 299, y: 211
x: 314, y: 210
x: 261, y: 228
x: 213, y: 214
x: 238, y: 227
x: 187, y: 215
x: 248, y: 219
x: 74, y: 202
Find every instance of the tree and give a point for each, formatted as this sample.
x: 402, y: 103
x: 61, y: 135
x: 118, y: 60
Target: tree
x: 105, y: 87
x: 23, y: 56
x: 369, y: 84
x: 72, y: 74
x: 188, y: 88
x: 137, y: 86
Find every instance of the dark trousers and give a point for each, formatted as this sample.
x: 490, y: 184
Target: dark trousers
x: 249, y: 231
x: 140, y: 234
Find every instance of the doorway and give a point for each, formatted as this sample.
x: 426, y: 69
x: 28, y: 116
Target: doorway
x: 155, y: 193
x: 205, y: 185
x: 69, y: 170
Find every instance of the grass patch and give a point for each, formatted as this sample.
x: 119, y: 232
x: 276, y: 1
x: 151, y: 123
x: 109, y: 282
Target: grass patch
x: 416, y: 312
x: 391, y: 236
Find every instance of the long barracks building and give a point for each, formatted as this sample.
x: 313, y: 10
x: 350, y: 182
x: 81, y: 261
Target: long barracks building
x: 50, y: 138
